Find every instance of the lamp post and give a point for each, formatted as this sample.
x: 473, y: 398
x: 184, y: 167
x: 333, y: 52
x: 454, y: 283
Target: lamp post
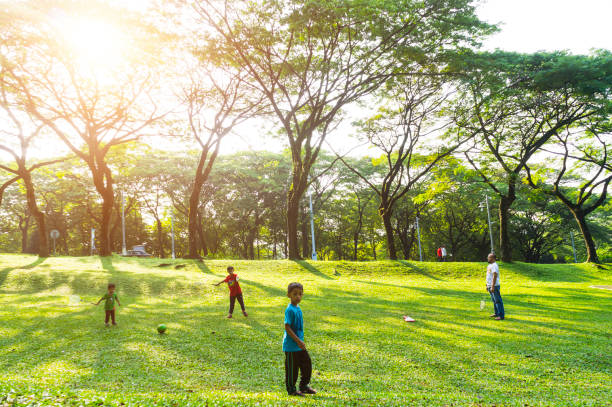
x: 486, y: 203
x: 123, y: 249
x: 314, y: 249
x: 573, y: 246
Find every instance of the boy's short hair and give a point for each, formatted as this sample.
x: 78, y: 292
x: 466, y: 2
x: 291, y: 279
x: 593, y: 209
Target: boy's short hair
x: 293, y: 286
x: 230, y: 268
x: 111, y: 285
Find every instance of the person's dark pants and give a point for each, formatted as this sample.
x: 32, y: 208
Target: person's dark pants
x: 110, y: 313
x: 233, y: 301
x: 498, y: 304
x: 294, y: 362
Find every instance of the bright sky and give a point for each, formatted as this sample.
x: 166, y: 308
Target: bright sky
x: 534, y: 25
x: 526, y: 26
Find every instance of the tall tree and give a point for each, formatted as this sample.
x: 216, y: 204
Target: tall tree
x: 403, y: 129
x: 516, y: 103
x: 311, y: 59
x: 16, y: 139
x: 217, y: 100
x: 91, y: 104
x: 582, y: 181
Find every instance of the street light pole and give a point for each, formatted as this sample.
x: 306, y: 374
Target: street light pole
x: 172, y: 232
x: 123, y: 250
x: 419, y: 237
x: 573, y: 246
x: 314, y: 250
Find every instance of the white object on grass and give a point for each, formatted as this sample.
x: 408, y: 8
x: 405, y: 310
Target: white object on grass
x: 74, y: 300
x: 408, y: 319
x: 482, y: 304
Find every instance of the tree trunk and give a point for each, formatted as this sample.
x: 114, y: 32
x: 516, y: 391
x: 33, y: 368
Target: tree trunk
x: 386, y: 213
x: 293, y: 212
x: 24, y: 226
x: 356, y: 235
x: 43, y: 242
x: 202, y: 236
x: 192, y: 228
x: 160, y: 238
x: 105, y: 228
x: 373, y: 243
x: 504, y: 215
x: 586, y: 235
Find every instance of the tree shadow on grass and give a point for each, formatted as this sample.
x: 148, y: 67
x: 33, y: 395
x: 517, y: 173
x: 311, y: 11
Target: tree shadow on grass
x: 203, y: 267
x: 5, y: 271
x: 419, y: 270
x: 273, y: 291
x: 107, y: 264
x: 550, y: 272
x: 312, y: 269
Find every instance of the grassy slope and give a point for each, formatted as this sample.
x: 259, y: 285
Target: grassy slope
x: 554, y: 348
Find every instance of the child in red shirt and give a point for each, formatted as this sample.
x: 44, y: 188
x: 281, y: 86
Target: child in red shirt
x: 235, y: 291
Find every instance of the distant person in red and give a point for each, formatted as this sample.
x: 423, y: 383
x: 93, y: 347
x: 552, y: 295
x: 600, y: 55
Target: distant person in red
x: 439, y: 253
x: 235, y: 291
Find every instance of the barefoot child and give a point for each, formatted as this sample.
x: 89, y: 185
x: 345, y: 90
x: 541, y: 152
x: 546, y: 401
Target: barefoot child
x: 296, y: 355
x: 109, y: 305
x: 235, y: 291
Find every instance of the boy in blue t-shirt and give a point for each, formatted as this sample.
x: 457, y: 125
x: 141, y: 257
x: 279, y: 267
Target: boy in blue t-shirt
x: 296, y: 355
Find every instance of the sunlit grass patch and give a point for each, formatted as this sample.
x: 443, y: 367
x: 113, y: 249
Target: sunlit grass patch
x: 552, y: 350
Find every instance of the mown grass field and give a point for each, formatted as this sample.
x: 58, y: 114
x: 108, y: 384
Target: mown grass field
x: 554, y: 348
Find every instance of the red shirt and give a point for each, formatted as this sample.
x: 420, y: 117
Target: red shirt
x: 232, y: 284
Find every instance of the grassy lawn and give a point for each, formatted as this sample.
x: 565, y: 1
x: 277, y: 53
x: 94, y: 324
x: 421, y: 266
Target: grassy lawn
x: 554, y: 348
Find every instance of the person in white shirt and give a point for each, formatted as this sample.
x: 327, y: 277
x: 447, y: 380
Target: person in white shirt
x: 443, y: 253
x: 493, y: 287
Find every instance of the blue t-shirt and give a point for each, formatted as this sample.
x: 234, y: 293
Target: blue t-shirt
x: 293, y: 317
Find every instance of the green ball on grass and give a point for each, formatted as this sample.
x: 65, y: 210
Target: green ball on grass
x: 161, y: 328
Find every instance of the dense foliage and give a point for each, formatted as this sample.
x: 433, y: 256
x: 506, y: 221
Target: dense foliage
x: 437, y: 125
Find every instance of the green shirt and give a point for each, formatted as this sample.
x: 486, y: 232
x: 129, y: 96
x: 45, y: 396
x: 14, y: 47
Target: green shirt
x: 110, y: 301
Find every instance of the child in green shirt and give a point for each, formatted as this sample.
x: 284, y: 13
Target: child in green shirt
x: 109, y: 305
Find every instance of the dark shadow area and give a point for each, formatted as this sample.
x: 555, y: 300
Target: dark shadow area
x: 268, y: 289
x: 312, y: 269
x: 203, y: 267
x: 378, y: 283
x: 571, y: 273
x: 419, y: 270
x: 33, y: 264
x: 107, y: 264
x: 5, y: 271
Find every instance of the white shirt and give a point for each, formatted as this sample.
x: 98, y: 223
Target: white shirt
x: 492, y: 268
x: 443, y: 252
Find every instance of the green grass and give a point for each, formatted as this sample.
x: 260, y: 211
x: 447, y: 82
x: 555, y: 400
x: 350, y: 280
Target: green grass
x: 554, y: 348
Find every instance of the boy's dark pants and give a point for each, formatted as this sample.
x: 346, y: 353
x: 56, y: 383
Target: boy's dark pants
x: 110, y: 314
x: 233, y: 301
x: 295, y: 361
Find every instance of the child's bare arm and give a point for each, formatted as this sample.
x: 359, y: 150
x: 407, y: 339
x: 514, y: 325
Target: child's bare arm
x: 118, y: 302
x: 293, y: 336
x: 220, y: 282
